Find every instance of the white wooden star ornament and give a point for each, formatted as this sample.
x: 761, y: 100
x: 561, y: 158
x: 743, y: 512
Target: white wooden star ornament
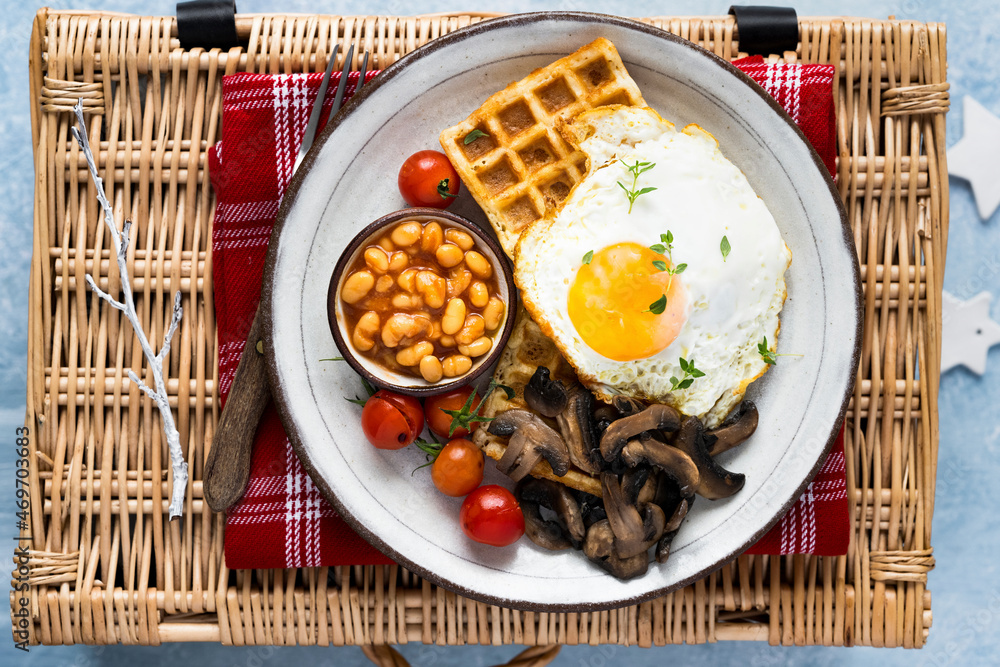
x: 974, y: 157
x: 967, y: 333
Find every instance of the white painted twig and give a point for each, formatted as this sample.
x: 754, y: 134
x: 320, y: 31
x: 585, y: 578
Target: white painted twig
x: 155, y: 360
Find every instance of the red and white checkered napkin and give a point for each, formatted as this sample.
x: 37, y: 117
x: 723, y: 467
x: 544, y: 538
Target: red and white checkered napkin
x: 282, y: 520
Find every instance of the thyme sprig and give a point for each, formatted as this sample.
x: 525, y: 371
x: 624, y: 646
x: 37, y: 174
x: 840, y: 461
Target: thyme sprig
x: 636, y: 170
x: 665, y: 247
x: 686, y: 380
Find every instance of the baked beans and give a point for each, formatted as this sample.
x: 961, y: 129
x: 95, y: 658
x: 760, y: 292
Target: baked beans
x: 422, y: 300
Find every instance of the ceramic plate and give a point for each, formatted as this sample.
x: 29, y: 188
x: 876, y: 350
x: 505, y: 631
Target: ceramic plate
x: 349, y: 179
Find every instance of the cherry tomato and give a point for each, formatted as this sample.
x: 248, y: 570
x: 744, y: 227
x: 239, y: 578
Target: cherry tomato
x: 391, y: 421
x: 458, y: 468
x: 491, y: 515
x: 428, y: 179
x: 439, y: 421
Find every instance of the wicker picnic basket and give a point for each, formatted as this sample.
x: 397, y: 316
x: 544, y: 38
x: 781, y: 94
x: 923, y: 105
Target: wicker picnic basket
x: 107, y: 567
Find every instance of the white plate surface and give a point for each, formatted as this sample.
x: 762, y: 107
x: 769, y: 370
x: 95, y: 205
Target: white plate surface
x: 350, y: 180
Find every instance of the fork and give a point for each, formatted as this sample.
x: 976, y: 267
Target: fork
x: 227, y: 469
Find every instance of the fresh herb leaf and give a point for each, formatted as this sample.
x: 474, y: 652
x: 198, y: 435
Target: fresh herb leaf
x: 636, y: 170
x: 690, y: 373
x: 334, y: 359
x: 667, y: 248
x: 369, y: 389
x: 658, y: 306
x: 509, y: 392
x: 770, y: 357
x: 588, y: 257
x: 472, y: 136
x: 725, y: 248
x: 444, y: 187
x: 765, y: 352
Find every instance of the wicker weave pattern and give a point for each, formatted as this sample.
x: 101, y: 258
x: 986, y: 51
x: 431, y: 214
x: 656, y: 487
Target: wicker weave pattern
x: 108, y: 568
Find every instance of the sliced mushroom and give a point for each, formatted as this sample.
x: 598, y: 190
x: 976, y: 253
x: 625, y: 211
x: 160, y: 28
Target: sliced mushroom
x: 676, y: 507
x: 739, y: 426
x: 600, y: 548
x: 655, y: 417
x: 592, y: 508
x: 545, y: 395
x: 639, y: 484
x: 603, y: 416
x: 667, y: 495
x: 577, y: 427
x: 635, y: 531
x: 677, y: 517
x: 673, y: 462
x: 627, y: 406
x: 568, y: 531
x: 715, y: 482
x: 663, y: 546
x: 531, y: 440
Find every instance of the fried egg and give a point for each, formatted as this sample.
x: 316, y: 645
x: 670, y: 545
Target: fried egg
x: 644, y: 296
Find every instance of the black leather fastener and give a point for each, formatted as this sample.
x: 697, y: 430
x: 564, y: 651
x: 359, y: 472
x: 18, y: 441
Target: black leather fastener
x: 209, y: 24
x: 766, y: 30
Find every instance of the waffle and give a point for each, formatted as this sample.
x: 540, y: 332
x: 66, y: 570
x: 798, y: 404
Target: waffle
x: 527, y: 349
x: 521, y: 168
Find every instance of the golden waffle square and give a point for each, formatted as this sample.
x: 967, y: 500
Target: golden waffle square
x: 521, y: 168
x: 527, y: 349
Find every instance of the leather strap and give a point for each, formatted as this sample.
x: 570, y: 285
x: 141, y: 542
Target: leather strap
x: 766, y: 30
x: 209, y: 24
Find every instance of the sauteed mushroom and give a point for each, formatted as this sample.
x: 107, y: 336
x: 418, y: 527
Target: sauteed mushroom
x: 577, y: 428
x: 568, y: 531
x: 673, y: 462
x: 592, y: 508
x: 545, y: 395
x: 639, y: 485
x: 670, y: 501
x: 603, y: 416
x: 634, y: 531
x: 663, y: 546
x: 655, y: 417
x: 627, y: 406
x: 677, y: 518
x: 531, y: 440
x: 600, y: 548
x: 715, y: 482
x: 739, y: 426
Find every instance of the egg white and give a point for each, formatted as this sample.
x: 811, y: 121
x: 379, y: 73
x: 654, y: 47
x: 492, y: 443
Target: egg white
x: 700, y: 196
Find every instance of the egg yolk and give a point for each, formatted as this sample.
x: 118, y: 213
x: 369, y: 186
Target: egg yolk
x: 611, y: 297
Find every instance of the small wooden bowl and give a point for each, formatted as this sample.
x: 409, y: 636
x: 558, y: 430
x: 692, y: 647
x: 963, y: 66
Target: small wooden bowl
x: 405, y: 384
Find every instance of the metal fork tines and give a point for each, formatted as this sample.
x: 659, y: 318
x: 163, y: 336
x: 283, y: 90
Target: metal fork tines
x: 317, y: 109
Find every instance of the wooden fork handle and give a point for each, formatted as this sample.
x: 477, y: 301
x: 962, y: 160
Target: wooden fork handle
x: 228, y: 467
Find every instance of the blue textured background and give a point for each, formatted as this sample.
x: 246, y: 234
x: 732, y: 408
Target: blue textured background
x: 966, y: 583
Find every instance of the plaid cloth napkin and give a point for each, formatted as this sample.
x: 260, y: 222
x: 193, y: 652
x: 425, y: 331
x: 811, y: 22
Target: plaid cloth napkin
x: 282, y: 520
